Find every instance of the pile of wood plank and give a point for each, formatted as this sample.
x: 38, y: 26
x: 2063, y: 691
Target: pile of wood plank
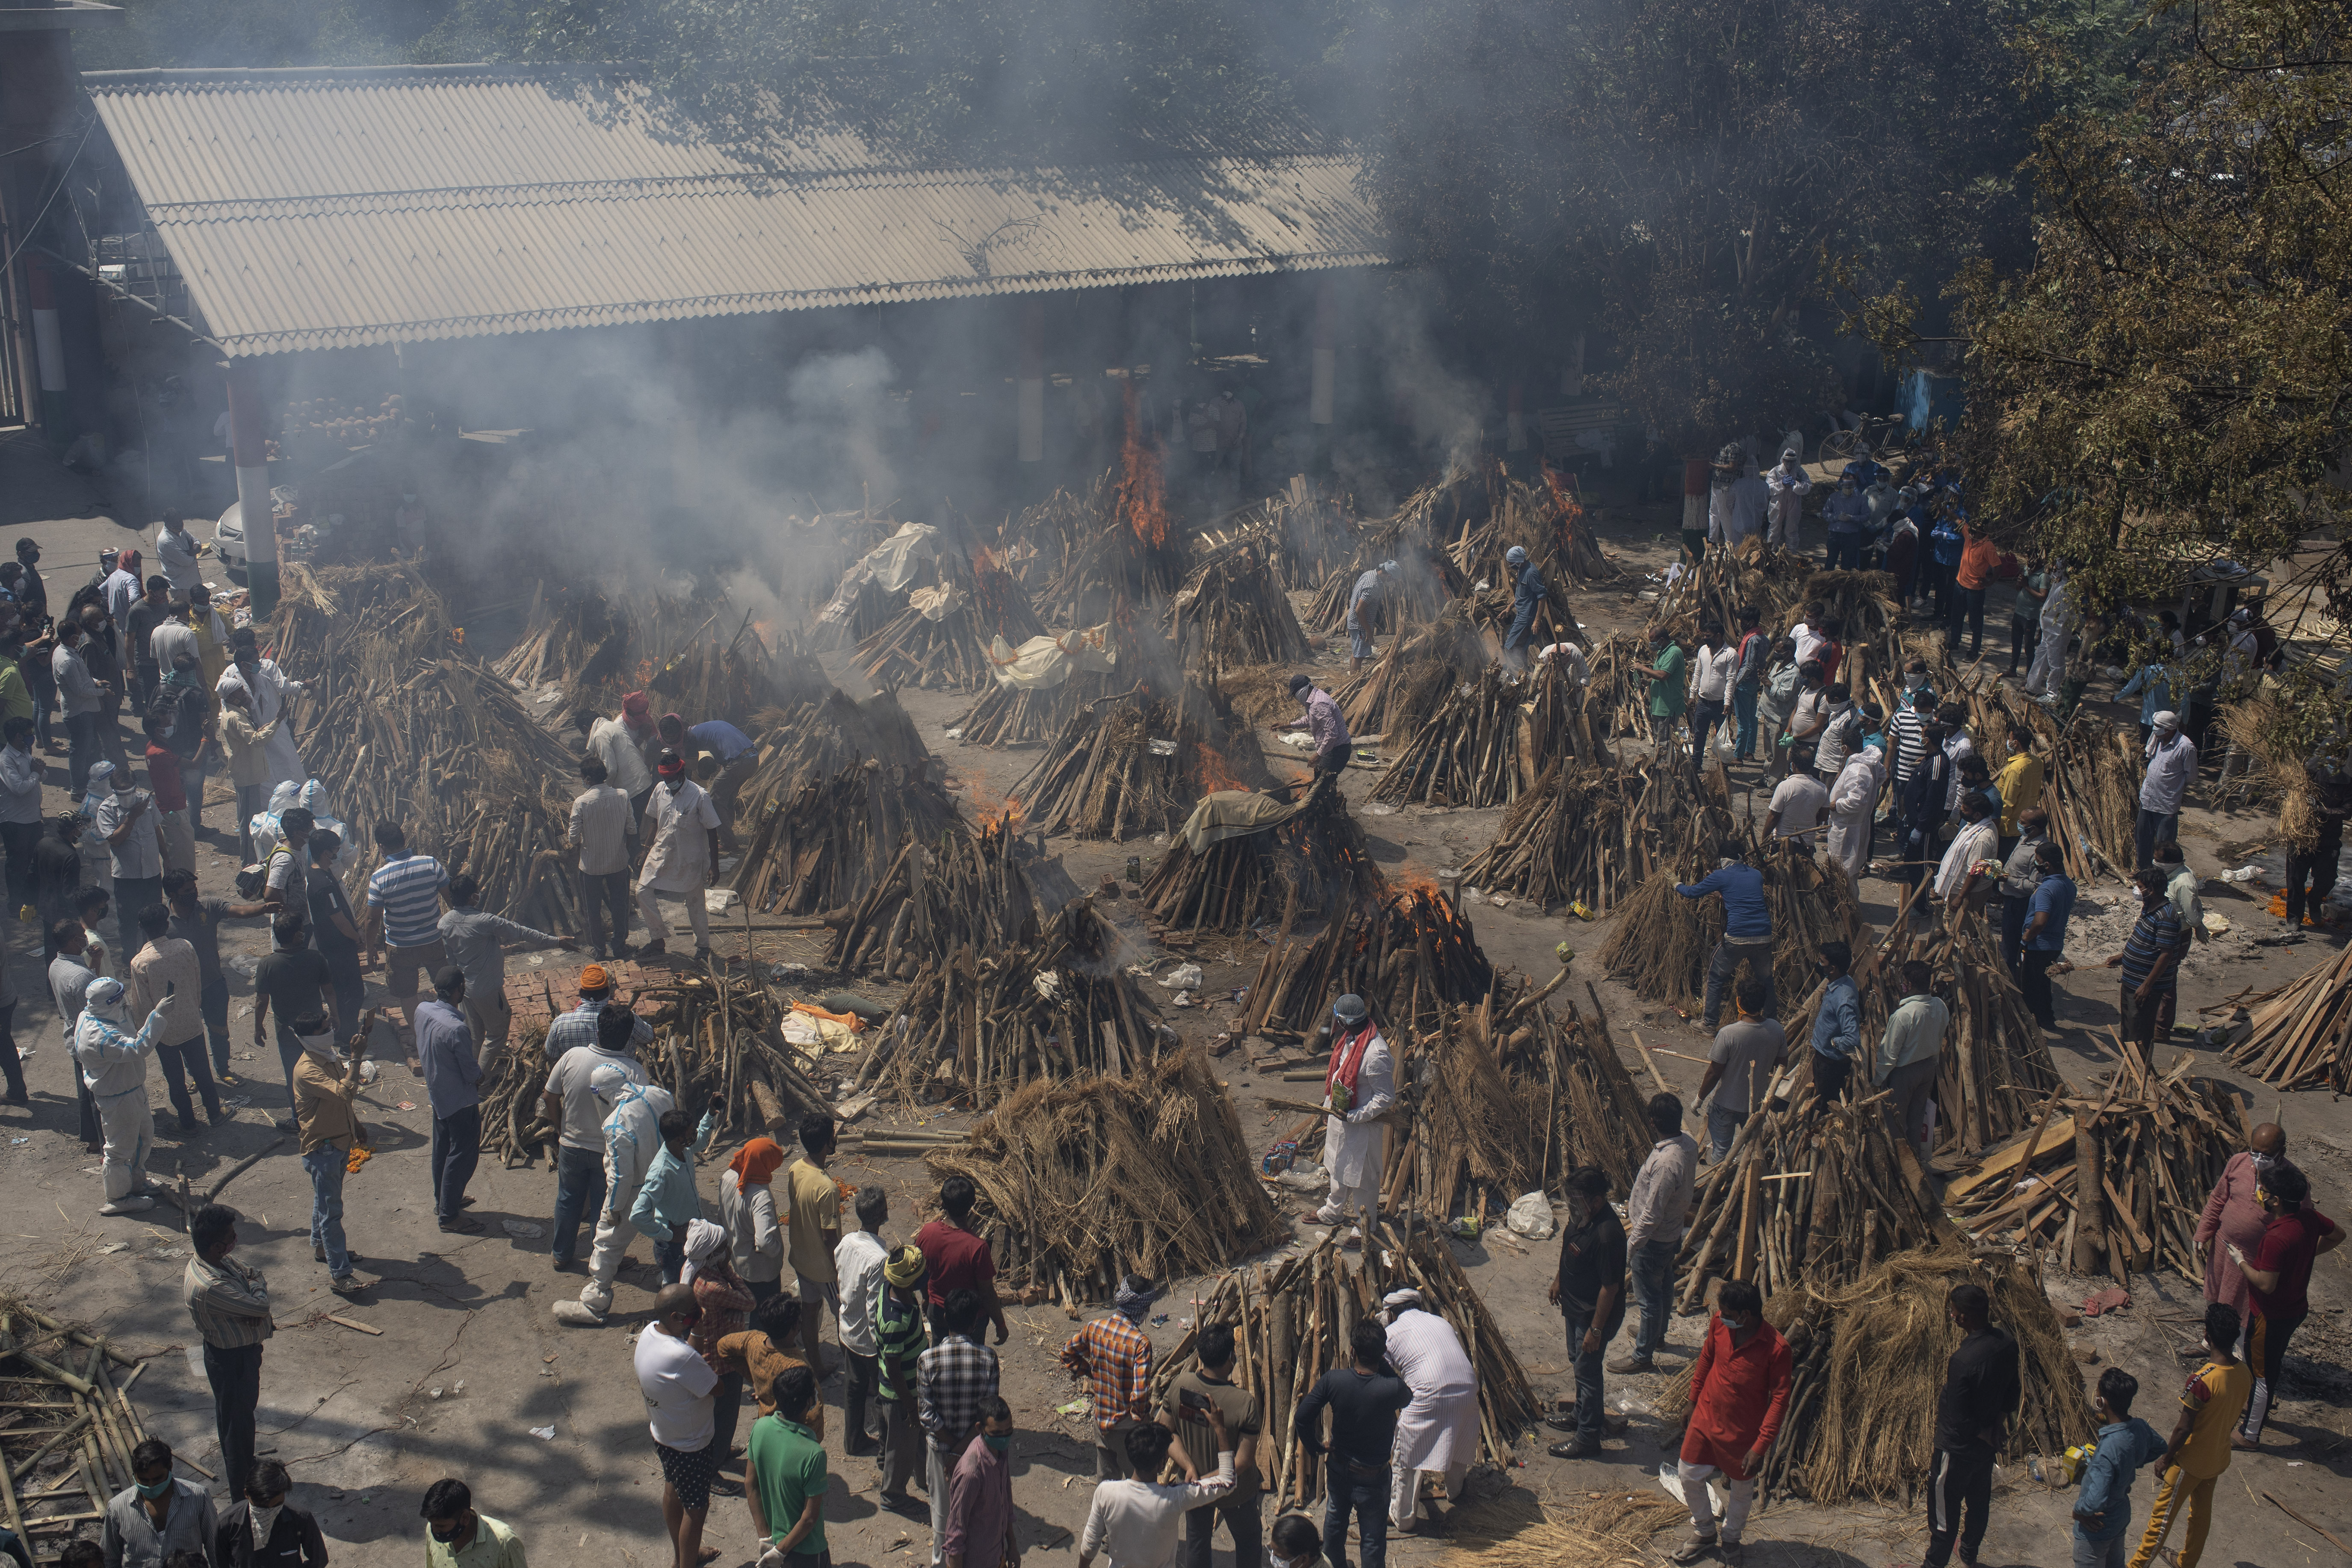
x: 963, y: 888
x: 817, y: 738
x: 1292, y: 1319
x: 1099, y: 1175
x: 1409, y: 956
x: 1491, y: 739
x: 990, y: 1020
x: 1136, y: 763
x: 1315, y: 863
x: 2148, y: 1149
x: 403, y: 725
x: 1661, y: 945
x: 1230, y: 613
x: 1420, y: 669
x: 940, y: 642
x: 65, y: 1451
x: 1113, y: 565
x: 2300, y: 1035
x: 575, y: 636
x: 1809, y: 1194
x: 834, y: 839
x: 1595, y: 833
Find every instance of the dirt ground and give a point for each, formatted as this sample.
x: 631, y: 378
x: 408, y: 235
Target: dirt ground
x: 467, y: 1373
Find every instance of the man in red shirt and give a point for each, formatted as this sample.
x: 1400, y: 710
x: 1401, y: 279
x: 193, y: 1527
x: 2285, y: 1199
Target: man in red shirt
x: 2276, y: 1278
x: 1739, y: 1395
x: 957, y: 1258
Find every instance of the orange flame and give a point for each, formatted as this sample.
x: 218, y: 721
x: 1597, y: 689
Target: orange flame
x: 1142, y: 488
x: 1213, y: 769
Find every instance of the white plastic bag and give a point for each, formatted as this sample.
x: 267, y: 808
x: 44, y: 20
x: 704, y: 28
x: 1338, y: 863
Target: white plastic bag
x: 1187, y: 977
x: 1531, y: 1216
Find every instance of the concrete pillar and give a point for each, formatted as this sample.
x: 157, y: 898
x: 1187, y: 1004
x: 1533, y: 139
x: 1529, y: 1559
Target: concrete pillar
x: 248, y: 425
x: 49, y: 351
x: 1029, y: 390
x: 1324, y: 387
x: 1515, y: 420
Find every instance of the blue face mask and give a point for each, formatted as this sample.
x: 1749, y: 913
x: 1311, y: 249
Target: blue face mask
x: 156, y: 1490
x: 998, y: 1442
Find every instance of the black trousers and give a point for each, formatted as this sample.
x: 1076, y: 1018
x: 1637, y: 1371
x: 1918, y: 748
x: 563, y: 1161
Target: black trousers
x: 457, y: 1150
x: 2317, y: 869
x: 857, y: 1431
x: 10, y: 1062
x: 236, y: 1377
x: 1959, y: 1496
x: 2034, y: 979
x: 17, y: 838
x: 1829, y: 1074
x: 605, y: 898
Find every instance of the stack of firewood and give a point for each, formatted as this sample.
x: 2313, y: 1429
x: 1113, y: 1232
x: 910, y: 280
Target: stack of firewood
x: 66, y: 1452
x: 964, y: 889
x: 1397, y: 692
x: 2300, y: 1035
x: 1490, y: 740
x: 1136, y: 763
x: 1315, y: 863
x: 831, y: 841
x: 1664, y: 941
x: 940, y: 641
x: 1594, y: 832
x: 1409, y: 957
x: 1230, y: 613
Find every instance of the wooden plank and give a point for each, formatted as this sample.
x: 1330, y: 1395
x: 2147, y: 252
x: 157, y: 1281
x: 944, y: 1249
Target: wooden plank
x: 2013, y: 1157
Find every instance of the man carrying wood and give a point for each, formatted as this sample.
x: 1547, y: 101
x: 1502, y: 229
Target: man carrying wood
x: 1359, y: 1089
x: 1740, y: 1395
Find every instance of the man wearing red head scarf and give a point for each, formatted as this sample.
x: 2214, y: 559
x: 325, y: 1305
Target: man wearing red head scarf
x: 747, y: 1206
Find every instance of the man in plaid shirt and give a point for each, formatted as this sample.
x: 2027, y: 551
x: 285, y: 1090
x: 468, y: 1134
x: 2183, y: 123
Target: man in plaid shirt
x: 951, y: 1380
x: 1114, y: 1356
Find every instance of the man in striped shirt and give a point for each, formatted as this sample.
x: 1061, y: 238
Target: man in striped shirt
x: 403, y: 916
x: 230, y: 1304
x: 1909, y: 733
x: 2151, y: 959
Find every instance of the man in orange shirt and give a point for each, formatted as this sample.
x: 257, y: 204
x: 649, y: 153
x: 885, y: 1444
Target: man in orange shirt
x: 1740, y: 1395
x: 1979, y: 559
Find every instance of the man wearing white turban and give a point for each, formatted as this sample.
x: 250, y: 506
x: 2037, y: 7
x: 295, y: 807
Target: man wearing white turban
x: 114, y: 1067
x: 1439, y: 1430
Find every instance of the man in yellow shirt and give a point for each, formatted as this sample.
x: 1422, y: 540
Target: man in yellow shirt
x: 813, y: 1231
x: 2019, y: 784
x: 2200, y: 1449
x: 329, y: 1128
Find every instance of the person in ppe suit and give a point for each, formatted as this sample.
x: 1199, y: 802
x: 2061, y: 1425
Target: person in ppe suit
x: 2046, y: 676
x: 1854, y: 797
x: 1787, y: 485
x: 632, y: 1138
x: 114, y: 1066
x: 1361, y: 1086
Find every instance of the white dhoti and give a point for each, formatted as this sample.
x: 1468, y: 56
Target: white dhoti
x: 128, y: 1125
x: 1352, y: 1156
x: 1437, y: 1434
x: 1848, y: 845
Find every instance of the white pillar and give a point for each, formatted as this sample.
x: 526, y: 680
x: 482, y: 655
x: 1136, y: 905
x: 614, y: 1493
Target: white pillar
x: 1322, y: 392
x: 248, y: 428
x: 49, y: 350
x: 1030, y: 388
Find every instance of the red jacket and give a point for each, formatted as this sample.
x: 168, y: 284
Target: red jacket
x: 1740, y: 1395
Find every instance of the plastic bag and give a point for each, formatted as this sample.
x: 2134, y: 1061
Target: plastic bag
x: 1531, y: 1216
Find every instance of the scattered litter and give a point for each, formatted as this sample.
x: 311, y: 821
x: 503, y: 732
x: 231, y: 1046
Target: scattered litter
x: 1183, y: 999
x: 548, y: 696
x: 719, y: 900
x: 2243, y: 874
x: 1377, y: 810
x: 545, y: 1433
x: 244, y: 1013
x: 405, y: 1105
x: 1074, y: 1407
x: 113, y: 1247
x: 1531, y: 1216
x: 13, y: 1142
x: 1162, y: 748
x: 952, y: 734
x: 1049, y: 984
x: 433, y: 1394
x: 1186, y: 977
x: 787, y: 972
x: 239, y: 1100
x: 535, y: 960
x: 1500, y: 901
x: 245, y: 963
x: 369, y: 1072
x: 523, y: 1228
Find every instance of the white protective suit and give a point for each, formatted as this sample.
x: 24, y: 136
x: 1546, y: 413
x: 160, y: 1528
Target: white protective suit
x: 1854, y: 797
x: 1351, y: 1143
x: 2048, y: 670
x: 1789, y: 489
x: 270, y: 691
x: 114, y: 1066
x: 1439, y: 1430
x: 632, y: 1138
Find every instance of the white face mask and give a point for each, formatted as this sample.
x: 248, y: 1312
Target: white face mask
x: 2261, y: 1161
x: 265, y: 1520
x: 1913, y: 682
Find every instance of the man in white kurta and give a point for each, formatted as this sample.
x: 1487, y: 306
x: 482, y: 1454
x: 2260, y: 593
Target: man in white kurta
x: 1359, y: 1089
x: 1852, y: 798
x: 683, y: 827
x: 268, y: 690
x: 1438, y: 1432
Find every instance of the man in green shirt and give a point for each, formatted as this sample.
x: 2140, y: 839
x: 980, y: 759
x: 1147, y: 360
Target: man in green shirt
x: 1666, y: 685
x: 457, y: 1536
x: 788, y: 1477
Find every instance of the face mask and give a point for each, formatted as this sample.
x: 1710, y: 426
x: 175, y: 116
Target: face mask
x: 1738, y: 1326
x: 1913, y: 682
x: 998, y: 1442
x: 156, y: 1490
x: 450, y: 1535
x: 265, y: 1520
x: 166, y: 733
x: 2261, y: 1161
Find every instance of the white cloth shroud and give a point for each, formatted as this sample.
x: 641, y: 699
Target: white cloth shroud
x: 1046, y: 661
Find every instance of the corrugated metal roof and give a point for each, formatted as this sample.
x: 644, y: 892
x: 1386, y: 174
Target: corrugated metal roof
x: 334, y: 208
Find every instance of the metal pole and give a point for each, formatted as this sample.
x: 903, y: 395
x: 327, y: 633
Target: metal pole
x: 250, y: 450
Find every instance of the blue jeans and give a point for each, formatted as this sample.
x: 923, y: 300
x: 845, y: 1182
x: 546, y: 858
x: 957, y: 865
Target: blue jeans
x: 1351, y: 1489
x: 1723, y: 1125
x: 671, y: 1255
x: 1652, y: 1265
x: 1743, y: 709
x: 1845, y: 550
x: 579, y: 1191
x: 1587, y: 1364
x: 326, y: 1164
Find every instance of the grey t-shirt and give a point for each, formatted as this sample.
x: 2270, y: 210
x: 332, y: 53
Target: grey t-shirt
x: 1746, y: 1050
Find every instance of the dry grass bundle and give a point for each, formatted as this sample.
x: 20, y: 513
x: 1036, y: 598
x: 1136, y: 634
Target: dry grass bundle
x: 2254, y: 728
x: 1587, y: 832
x: 1291, y: 1322
x: 1491, y: 739
x: 1084, y: 1181
x: 2147, y: 1151
x: 1135, y: 763
x: 1260, y: 695
x: 2093, y: 795
x: 1615, y: 1532
x: 1809, y: 1194
x: 828, y: 844
x: 1230, y: 613
x: 948, y: 651
x: 1315, y: 863
x: 2300, y: 1035
x: 1398, y: 691
x: 405, y: 726
x: 992, y: 1019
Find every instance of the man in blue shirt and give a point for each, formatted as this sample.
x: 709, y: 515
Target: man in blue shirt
x: 2046, y: 913
x: 2150, y: 959
x: 1747, y: 929
x: 739, y: 759
x: 1528, y: 594
x: 2103, y: 1508
x: 1837, y: 1027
